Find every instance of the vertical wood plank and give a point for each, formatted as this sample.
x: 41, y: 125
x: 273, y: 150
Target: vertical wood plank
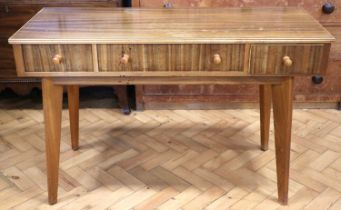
x: 73, y: 100
x: 52, y: 103
x: 139, y: 90
x: 282, y: 96
x: 95, y: 57
x: 19, y: 60
x: 135, y: 3
x: 325, y: 57
x: 171, y: 57
x: 265, y: 108
x: 123, y: 99
x: 246, y: 64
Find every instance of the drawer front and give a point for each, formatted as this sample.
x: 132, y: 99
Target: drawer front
x: 277, y: 59
x: 190, y: 57
x: 57, y: 58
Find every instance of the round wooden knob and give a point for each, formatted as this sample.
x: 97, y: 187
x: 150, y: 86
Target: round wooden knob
x: 216, y: 59
x: 125, y: 58
x: 57, y: 59
x: 287, y: 61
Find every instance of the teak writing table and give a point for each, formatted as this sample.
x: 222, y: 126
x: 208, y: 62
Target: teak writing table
x: 102, y: 46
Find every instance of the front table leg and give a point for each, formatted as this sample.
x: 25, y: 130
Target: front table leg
x: 282, y: 95
x: 52, y: 103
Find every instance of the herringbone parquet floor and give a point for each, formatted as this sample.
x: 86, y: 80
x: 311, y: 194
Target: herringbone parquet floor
x: 170, y: 160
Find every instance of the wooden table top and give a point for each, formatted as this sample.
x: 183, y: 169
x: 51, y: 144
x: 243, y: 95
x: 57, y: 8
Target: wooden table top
x: 171, y: 26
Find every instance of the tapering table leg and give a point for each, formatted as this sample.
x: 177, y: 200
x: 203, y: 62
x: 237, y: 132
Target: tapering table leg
x: 282, y: 95
x: 52, y: 103
x: 265, y: 108
x: 73, y: 100
x: 123, y: 98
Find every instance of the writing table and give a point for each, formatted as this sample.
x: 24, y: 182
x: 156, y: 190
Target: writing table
x: 101, y: 46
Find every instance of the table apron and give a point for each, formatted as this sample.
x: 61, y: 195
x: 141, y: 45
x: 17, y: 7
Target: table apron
x: 159, y: 80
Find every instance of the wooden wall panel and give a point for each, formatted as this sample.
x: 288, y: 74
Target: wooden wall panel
x: 314, y: 8
x: 12, y: 18
x: 328, y: 91
x: 335, y: 51
x: 213, y: 96
x: 7, y: 65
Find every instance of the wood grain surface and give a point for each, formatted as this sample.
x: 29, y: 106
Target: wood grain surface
x: 52, y: 104
x: 313, y: 6
x: 14, y: 14
x: 180, y: 159
x: 247, y: 29
x: 239, y: 59
x: 190, y: 57
x: 39, y: 58
x: 306, y: 59
x: 227, y: 25
x: 307, y: 94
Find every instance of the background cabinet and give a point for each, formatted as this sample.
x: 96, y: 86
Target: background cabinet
x: 308, y: 94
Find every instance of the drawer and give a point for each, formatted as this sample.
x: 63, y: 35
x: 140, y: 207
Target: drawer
x: 278, y: 59
x: 164, y: 57
x: 57, y: 58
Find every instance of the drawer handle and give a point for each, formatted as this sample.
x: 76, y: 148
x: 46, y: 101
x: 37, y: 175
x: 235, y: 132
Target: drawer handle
x: 57, y: 59
x: 287, y: 61
x: 216, y: 59
x: 125, y: 58
x: 328, y: 8
x: 168, y: 5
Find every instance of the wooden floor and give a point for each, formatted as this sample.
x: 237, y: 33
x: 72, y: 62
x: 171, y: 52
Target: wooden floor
x: 170, y: 160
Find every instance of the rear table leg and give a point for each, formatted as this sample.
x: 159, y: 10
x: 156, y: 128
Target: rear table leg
x: 73, y: 99
x: 265, y: 108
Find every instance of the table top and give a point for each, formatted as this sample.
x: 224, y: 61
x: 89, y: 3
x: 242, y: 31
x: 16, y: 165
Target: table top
x: 171, y: 26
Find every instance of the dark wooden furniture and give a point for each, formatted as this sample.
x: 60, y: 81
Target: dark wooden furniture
x: 309, y: 92
x: 262, y: 46
x: 13, y: 15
